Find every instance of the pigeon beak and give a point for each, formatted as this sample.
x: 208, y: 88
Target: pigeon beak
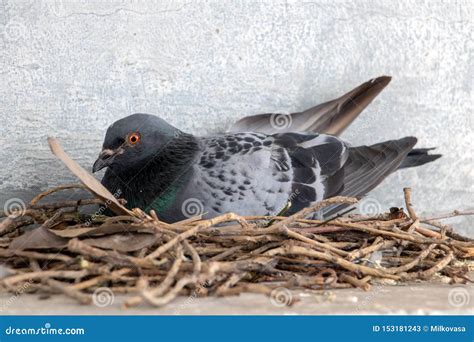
x: 106, y: 157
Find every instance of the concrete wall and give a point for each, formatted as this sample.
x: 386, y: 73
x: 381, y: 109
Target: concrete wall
x: 70, y: 69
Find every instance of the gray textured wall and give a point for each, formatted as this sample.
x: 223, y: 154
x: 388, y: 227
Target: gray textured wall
x: 70, y: 69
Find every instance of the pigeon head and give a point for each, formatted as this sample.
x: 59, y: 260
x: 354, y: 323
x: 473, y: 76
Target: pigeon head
x: 131, y: 142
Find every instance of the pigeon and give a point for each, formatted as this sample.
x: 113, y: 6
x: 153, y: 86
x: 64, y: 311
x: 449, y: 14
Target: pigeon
x: 155, y: 166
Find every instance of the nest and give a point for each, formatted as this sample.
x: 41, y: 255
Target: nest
x: 153, y: 262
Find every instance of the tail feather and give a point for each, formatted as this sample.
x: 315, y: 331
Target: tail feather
x: 337, y: 115
x: 418, y: 156
x: 331, y: 117
x: 368, y: 166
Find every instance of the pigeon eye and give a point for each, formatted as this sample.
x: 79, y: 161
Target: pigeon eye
x: 133, y: 138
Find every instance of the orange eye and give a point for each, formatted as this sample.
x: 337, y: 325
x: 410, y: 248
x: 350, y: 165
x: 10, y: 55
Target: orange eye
x: 133, y: 138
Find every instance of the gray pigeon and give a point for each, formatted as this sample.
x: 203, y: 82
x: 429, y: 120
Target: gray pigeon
x: 154, y: 165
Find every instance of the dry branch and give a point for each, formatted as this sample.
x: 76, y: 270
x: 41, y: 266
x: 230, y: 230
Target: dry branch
x: 225, y: 255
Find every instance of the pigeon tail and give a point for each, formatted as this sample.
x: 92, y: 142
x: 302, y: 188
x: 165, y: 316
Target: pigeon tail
x: 367, y: 166
x: 419, y: 156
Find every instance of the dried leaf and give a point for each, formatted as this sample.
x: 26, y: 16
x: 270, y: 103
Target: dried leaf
x: 105, y: 229
x: 123, y: 242
x: 74, y: 232
x: 87, y: 179
x: 39, y: 238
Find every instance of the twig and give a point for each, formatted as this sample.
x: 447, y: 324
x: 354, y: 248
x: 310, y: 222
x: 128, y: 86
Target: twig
x: 332, y: 258
x: 229, y: 254
x: 69, y: 291
x: 408, y: 204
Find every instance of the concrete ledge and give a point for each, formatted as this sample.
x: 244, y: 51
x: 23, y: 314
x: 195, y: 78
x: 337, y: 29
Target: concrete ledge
x: 415, y: 299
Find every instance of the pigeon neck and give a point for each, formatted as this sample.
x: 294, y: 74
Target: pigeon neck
x: 164, y: 174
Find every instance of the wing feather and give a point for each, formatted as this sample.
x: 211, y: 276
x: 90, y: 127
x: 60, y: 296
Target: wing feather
x: 331, y: 117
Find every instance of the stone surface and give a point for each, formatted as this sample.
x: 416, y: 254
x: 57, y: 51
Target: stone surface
x: 70, y: 69
x: 416, y: 299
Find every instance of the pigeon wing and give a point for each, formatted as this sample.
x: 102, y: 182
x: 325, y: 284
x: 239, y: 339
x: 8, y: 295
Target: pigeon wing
x: 324, y: 166
x: 257, y: 174
x: 331, y: 117
x: 245, y: 173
